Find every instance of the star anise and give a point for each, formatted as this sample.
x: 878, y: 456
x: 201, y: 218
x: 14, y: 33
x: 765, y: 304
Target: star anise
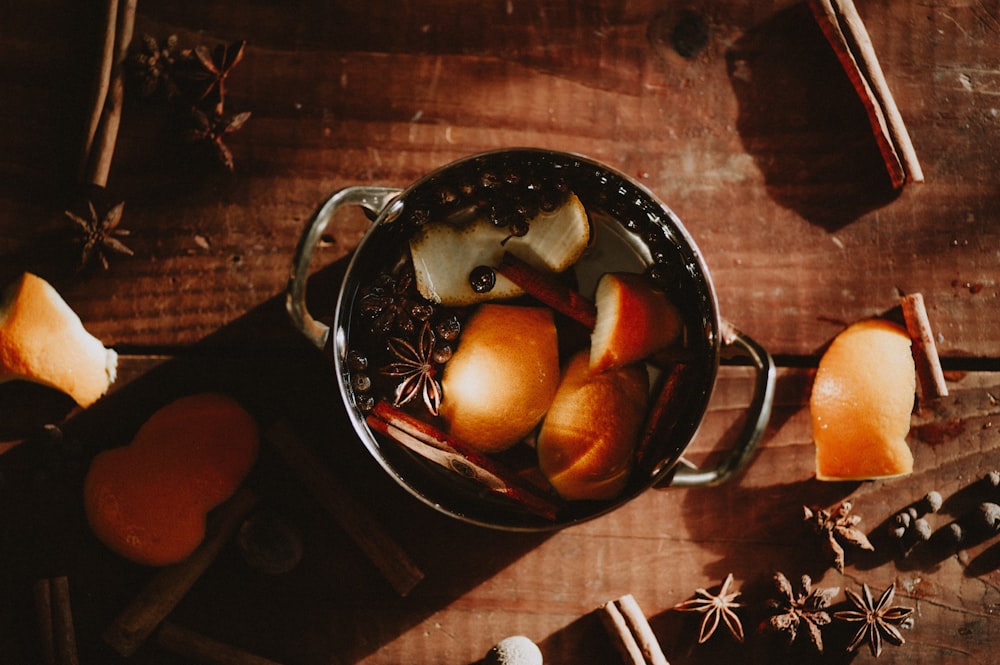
x: 880, y: 620
x: 390, y: 304
x: 416, y: 367
x: 716, y: 608
x: 805, y: 608
x: 215, y: 66
x: 212, y: 130
x: 98, y: 234
x: 837, y: 528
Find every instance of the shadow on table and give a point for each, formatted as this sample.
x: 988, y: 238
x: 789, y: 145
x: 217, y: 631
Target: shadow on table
x: 334, y: 607
x: 803, y: 122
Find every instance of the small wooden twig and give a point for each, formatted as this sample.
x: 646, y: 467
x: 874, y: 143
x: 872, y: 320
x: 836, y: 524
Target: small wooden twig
x: 843, y: 28
x: 168, y: 586
x: 633, y: 638
x: 383, y: 551
x: 55, y: 622
x: 930, y: 376
x: 196, y: 646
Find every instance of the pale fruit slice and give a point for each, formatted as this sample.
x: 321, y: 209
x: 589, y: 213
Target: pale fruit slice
x: 634, y: 320
x: 501, y: 379
x: 444, y: 255
x: 861, y: 402
x: 43, y: 340
x: 586, y: 446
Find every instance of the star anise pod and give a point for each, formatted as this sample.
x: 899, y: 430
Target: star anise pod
x: 211, y: 130
x: 797, y: 609
x: 416, y: 367
x: 716, y: 608
x: 98, y: 234
x: 879, y: 620
x: 215, y: 67
x: 837, y: 528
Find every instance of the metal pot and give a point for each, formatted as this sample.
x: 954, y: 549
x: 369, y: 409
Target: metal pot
x: 634, y: 232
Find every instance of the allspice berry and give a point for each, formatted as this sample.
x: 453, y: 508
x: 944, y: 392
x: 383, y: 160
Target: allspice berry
x: 987, y: 516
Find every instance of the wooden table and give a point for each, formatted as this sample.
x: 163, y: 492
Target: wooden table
x: 753, y: 137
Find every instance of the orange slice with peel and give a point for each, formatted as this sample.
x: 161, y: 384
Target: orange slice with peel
x: 861, y: 402
x: 43, y: 340
x: 503, y: 376
x: 586, y: 447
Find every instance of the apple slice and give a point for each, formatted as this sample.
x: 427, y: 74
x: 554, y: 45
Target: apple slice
x: 634, y: 321
x: 444, y: 255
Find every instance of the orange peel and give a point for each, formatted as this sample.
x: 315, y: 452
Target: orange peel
x: 861, y: 402
x: 43, y: 340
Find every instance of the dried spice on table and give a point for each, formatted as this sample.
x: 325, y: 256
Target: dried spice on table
x: 210, y: 130
x: 880, y: 620
x: 716, y: 607
x: 194, y: 80
x: 151, y: 66
x: 99, y: 234
x: 215, y: 67
x: 806, y: 608
x: 837, y: 528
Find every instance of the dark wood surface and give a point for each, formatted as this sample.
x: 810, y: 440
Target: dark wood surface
x: 756, y: 141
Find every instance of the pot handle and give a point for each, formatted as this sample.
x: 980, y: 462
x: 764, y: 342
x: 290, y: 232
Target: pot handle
x: 735, y: 343
x: 372, y: 200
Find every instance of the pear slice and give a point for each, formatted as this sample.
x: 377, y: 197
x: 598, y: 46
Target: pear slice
x: 43, y: 340
x: 444, y: 255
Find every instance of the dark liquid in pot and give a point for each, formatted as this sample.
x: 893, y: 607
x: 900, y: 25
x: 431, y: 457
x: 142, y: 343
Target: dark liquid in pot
x: 630, y: 232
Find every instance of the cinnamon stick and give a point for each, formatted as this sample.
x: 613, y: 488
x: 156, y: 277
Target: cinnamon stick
x: 102, y: 83
x: 170, y: 584
x: 663, y: 405
x: 55, y: 621
x: 630, y: 631
x: 193, y: 645
x: 549, y: 290
x: 100, y: 146
x: 847, y: 35
x: 930, y: 376
x: 381, y: 549
x: 399, y: 425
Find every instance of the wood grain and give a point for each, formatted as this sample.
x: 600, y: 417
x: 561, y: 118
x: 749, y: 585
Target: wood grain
x: 754, y: 138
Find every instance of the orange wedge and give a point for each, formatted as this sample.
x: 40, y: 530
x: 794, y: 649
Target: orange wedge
x: 861, y: 403
x: 43, y: 340
x: 587, y: 443
x: 503, y: 376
